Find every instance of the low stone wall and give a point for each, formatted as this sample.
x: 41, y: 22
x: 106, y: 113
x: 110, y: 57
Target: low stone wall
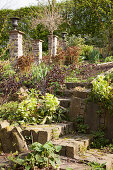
x: 81, y: 106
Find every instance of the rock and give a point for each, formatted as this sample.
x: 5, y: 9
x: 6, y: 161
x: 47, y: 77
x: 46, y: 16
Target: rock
x: 4, y: 124
x: 12, y: 140
x: 22, y: 93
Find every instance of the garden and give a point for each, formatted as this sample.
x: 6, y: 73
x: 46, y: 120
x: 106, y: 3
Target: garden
x: 30, y: 93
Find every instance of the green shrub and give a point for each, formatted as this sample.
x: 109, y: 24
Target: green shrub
x: 39, y: 72
x: 86, y: 51
x: 94, y: 56
x: 36, y: 108
x: 99, y: 140
x: 81, y: 127
x: 8, y: 70
x: 101, y: 88
x: 102, y: 93
x: 75, y: 41
x: 40, y: 156
x: 109, y: 59
x: 8, y: 111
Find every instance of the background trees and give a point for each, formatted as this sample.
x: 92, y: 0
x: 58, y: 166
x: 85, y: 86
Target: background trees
x: 93, y: 20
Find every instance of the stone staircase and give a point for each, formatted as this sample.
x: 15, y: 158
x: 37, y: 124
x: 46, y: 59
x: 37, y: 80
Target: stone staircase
x: 74, y: 153
x: 74, y: 146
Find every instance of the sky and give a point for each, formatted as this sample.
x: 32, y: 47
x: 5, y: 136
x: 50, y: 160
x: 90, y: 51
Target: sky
x: 16, y: 4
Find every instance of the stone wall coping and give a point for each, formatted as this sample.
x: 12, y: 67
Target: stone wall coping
x: 37, y: 40
x: 16, y: 31
x: 53, y: 35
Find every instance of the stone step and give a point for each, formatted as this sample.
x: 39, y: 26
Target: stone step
x: 84, y: 161
x: 72, y: 164
x: 97, y: 156
x: 82, y: 84
x: 65, y: 93
x: 73, y: 145
x: 65, y: 102
x: 81, y: 92
x: 44, y: 133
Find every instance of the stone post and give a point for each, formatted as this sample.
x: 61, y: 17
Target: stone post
x: 64, y: 41
x: 52, y: 45
x: 37, y: 50
x: 50, y: 41
x: 15, y: 44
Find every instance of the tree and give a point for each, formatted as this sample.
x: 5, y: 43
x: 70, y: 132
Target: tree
x: 95, y: 18
x: 49, y: 16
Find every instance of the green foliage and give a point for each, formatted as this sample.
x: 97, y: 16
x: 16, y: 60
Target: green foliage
x: 39, y: 72
x: 8, y: 70
x: 81, y: 127
x: 74, y: 40
x: 97, y: 166
x: 91, y: 54
x: 86, y: 51
x: 94, y: 56
x: 99, y: 140
x: 109, y: 59
x: 8, y: 111
x: 40, y: 156
x: 36, y: 108
x: 102, y: 93
x: 101, y: 88
x: 71, y: 77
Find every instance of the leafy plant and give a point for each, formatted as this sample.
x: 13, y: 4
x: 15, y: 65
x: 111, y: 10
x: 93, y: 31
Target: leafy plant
x: 99, y: 139
x: 109, y: 59
x: 81, y: 127
x: 8, y: 111
x: 86, y: 51
x: 102, y: 92
x: 74, y: 40
x: 36, y: 108
x: 96, y: 165
x: 8, y: 70
x: 40, y: 156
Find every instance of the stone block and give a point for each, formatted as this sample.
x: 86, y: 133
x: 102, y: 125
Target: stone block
x: 12, y: 140
x: 4, y: 124
x: 75, y: 107
x: 44, y: 136
x: 65, y: 102
x: 91, y: 116
x: 70, y: 151
x: 109, y: 125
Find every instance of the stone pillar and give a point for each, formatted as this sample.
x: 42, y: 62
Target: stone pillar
x: 50, y: 41
x: 54, y: 45
x: 15, y: 44
x: 37, y: 50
